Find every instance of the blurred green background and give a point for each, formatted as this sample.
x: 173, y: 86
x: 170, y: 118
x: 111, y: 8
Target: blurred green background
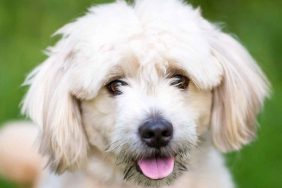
x: 26, y: 26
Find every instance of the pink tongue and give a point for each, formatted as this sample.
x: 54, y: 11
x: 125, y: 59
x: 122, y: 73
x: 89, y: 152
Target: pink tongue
x: 156, y: 168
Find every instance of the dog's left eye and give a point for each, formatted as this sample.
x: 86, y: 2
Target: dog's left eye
x: 180, y: 81
x: 114, y: 87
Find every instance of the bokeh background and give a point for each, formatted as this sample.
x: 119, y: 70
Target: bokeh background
x: 26, y: 27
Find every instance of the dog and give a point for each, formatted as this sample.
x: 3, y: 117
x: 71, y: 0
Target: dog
x: 146, y: 94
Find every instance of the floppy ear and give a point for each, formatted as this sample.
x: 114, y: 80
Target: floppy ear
x: 51, y: 105
x: 239, y: 98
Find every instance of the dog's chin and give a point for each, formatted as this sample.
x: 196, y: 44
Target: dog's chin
x: 156, y: 169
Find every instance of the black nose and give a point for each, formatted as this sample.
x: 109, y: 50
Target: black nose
x: 156, y: 132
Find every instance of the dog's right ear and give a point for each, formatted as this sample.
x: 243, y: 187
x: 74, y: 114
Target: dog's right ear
x: 50, y: 104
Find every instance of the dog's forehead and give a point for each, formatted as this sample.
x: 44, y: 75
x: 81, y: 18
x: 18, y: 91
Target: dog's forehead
x: 144, y: 68
x: 152, y: 56
x: 119, y: 35
x: 147, y: 57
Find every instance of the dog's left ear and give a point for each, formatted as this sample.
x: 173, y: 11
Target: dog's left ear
x: 240, y: 96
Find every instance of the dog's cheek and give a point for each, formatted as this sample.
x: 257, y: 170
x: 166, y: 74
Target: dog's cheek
x: 200, y: 102
x: 191, y: 107
x: 98, y: 116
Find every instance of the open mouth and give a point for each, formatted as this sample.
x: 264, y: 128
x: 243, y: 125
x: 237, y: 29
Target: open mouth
x: 156, y: 167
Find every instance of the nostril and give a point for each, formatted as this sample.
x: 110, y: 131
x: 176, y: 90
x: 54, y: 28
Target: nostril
x: 148, y: 134
x: 167, y: 133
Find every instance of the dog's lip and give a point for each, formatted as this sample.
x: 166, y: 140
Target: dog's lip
x: 156, y: 167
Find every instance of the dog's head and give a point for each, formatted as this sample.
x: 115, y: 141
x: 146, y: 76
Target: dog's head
x: 143, y: 84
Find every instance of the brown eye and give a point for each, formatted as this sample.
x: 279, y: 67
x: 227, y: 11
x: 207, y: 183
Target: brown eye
x: 114, y: 87
x: 180, y: 81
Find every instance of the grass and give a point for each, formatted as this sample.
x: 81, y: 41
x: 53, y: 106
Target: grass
x: 25, y: 27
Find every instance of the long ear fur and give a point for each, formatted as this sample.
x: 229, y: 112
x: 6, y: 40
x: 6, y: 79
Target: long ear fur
x: 50, y: 104
x: 239, y: 98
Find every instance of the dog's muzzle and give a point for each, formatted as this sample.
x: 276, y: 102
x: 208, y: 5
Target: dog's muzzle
x: 154, y: 156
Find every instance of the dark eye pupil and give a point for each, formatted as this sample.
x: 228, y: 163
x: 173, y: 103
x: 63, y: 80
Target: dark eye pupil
x: 180, y: 81
x: 114, y: 87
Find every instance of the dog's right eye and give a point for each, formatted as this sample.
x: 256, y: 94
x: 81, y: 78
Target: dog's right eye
x: 114, y: 87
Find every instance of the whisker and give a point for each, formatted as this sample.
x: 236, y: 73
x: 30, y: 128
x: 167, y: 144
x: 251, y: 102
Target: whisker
x: 126, y: 173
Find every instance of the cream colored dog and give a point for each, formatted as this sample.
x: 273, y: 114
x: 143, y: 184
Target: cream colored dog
x: 143, y: 95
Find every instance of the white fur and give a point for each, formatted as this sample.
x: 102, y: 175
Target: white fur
x: 87, y: 130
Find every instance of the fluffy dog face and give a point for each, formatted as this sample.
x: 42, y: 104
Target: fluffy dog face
x: 143, y: 92
x: 154, y: 64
